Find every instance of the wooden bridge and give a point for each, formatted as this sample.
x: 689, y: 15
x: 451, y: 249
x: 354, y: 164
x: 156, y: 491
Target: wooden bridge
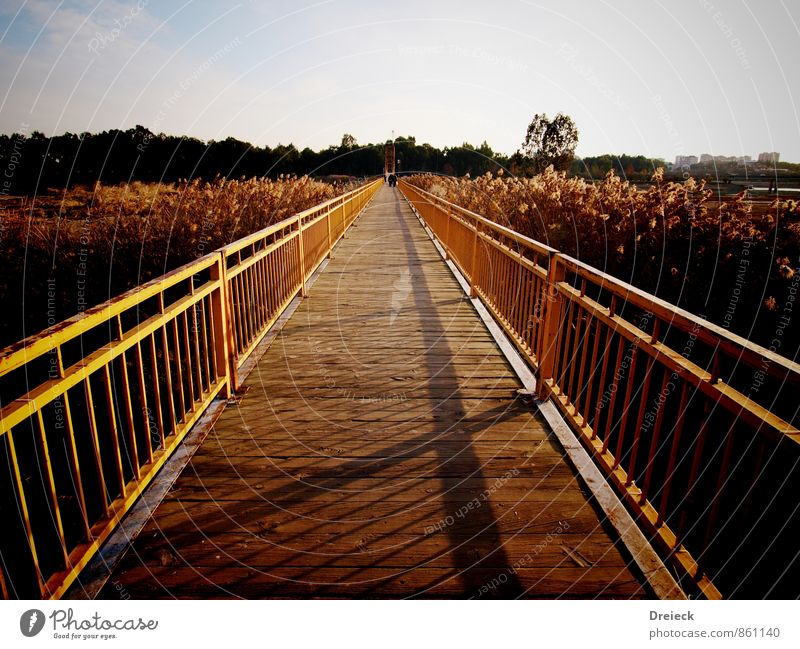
x: 344, y: 405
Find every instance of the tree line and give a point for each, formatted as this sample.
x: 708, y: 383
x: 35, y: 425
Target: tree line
x: 36, y: 162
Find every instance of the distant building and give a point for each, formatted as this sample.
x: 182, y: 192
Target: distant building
x: 769, y: 156
x: 685, y: 160
x: 744, y: 159
x: 706, y: 157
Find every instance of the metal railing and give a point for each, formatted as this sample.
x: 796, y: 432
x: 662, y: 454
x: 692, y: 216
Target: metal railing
x: 267, y: 270
x: 696, y: 428
x: 94, y: 406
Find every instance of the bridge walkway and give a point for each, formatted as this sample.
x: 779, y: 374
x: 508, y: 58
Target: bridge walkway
x: 379, y: 450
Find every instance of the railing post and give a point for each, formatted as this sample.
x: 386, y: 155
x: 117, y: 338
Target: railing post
x: 472, y: 291
x: 302, y: 257
x: 223, y: 327
x: 345, y: 216
x: 446, y: 241
x: 553, y: 305
x: 330, y: 241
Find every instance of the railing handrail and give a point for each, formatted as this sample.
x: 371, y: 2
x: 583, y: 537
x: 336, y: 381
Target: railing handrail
x: 684, y: 320
x: 17, y: 354
x: 23, y: 351
x: 242, y: 242
x: 615, y: 360
x: 536, y: 246
x: 127, y: 380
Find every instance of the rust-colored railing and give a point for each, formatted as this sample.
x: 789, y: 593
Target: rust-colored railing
x: 93, y: 406
x: 695, y: 427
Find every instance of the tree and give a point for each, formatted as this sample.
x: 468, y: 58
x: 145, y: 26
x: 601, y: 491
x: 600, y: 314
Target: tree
x: 549, y: 143
x: 348, y: 142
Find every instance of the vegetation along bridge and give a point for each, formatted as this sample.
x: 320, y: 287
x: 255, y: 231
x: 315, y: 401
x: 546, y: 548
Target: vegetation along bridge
x: 390, y: 396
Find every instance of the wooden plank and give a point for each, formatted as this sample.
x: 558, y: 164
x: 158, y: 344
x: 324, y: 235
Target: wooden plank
x: 245, y: 582
x: 400, y: 551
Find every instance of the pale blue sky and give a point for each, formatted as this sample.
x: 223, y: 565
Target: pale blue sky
x: 658, y: 78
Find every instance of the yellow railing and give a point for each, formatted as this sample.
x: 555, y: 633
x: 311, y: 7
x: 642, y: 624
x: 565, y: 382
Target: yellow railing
x: 95, y: 405
x: 267, y: 270
x: 695, y: 427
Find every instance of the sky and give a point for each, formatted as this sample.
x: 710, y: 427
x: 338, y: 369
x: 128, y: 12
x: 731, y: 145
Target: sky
x: 650, y: 77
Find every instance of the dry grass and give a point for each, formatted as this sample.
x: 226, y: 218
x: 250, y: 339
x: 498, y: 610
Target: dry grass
x: 73, y: 249
x: 727, y: 261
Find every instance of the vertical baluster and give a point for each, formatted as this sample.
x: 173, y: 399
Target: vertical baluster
x: 512, y: 294
x: 187, y: 359
x: 241, y: 312
x: 553, y: 302
x: 237, y: 326
x: 131, y: 430
x: 526, y: 308
x: 637, y: 433
x: 75, y: 469
x: 472, y: 269
x: 55, y: 510
x: 579, y: 389
x: 301, y: 257
x: 289, y: 263
x: 609, y: 336
x: 206, y: 331
x: 246, y: 302
x: 673, y: 454
x: 23, y: 508
x: 489, y: 283
x: 722, y: 480
x: 95, y: 437
x: 655, y: 440
x: 694, y: 471
x: 262, y: 291
x: 586, y: 319
x: 521, y: 303
x: 224, y: 355
x: 505, y: 285
x: 179, y: 370
x: 288, y: 276
x: 623, y: 425
x: 283, y: 271
x: 612, y: 401
x: 585, y: 398
x: 563, y: 349
x: 448, y: 216
x: 114, y: 430
x: 272, y: 284
x: 248, y: 291
x: 157, y: 383
x: 196, y: 361
x: 579, y: 332
x: 330, y: 236
x: 146, y: 412
x: 537, y: 315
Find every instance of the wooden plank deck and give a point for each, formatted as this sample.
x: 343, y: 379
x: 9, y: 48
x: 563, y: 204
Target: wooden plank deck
x: 380, y: 451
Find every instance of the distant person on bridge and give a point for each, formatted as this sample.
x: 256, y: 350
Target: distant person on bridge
x: 392, y: 180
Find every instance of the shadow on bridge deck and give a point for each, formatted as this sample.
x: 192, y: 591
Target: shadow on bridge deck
x: 379, y: 452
